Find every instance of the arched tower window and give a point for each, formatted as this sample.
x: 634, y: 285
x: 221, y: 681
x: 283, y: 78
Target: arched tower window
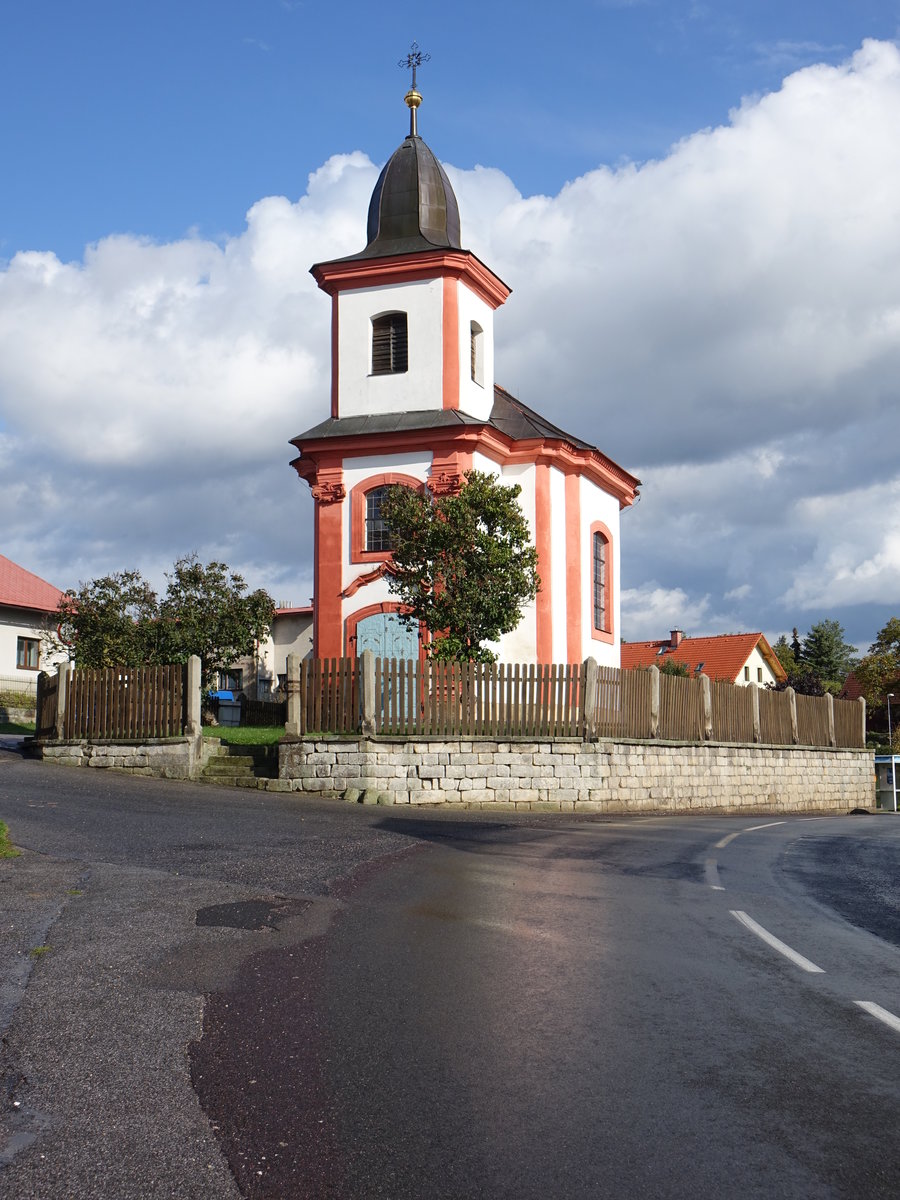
x: 389, y: 344
x: 476, y: 334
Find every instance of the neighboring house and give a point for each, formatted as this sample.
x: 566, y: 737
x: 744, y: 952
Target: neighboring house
x: 736, y: 657
x: 414, y: 402
x: 259, y: 677
x: 28, y: 613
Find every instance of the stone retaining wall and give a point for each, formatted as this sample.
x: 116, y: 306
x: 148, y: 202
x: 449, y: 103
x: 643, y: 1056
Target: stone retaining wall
x: 166, y: 758
x: 571, y: 775
x: 17, y: 716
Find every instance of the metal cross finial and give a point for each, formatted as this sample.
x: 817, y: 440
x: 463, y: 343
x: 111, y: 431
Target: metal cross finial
x: 413, y: 60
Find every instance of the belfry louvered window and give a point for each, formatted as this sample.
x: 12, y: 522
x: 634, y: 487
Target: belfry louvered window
x: 389, y: 344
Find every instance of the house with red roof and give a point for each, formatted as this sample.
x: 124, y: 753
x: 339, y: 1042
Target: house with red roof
x: 734, y: 657
x: 28, y: 613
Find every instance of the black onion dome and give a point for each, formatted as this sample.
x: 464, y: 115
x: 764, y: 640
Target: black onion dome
x: 413, y: 206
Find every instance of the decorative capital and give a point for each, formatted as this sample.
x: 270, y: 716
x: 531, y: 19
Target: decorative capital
x: 445, y: 483
x: 328, y: 493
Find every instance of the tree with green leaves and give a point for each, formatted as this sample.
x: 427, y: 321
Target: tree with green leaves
x: 463, y: 565
x: 207, y: 611
x: 110, y: 621
x: 785, y: 654
x: 827, y: 655
x: 879, y: 671
x: 118, y: 620
x: 671, y: 667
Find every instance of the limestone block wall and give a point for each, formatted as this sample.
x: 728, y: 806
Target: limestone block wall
x: 571, y: 775
x: 166, y: 758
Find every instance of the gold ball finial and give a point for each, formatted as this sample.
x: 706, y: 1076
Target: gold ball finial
x: 413, y: 98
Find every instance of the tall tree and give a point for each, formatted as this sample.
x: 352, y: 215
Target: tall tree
x: 879, y: 671
x: 207, y: 611
x: 117, y: 620
x: 785, y: 654
x: 110, y: 621
x: 463, y: 564
x: 826, y: 654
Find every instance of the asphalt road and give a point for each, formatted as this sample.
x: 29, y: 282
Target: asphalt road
x: 254, y: 995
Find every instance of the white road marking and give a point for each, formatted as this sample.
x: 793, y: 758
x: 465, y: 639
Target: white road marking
x: 776, y: 943
x: 712, y: 875
x: 749, y: 829
x: 882, y: 1014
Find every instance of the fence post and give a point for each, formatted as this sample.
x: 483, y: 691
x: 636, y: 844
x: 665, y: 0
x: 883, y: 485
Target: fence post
x: 829, y: 712
x: 39, y: 701
x: 795, y: 726
x: 64, y: 672
x: 367, y: 692
x: 754, y: 711
x: 706, y: 704
x: 590, y: 700
x: 654, y: 702
x: 193, y: 725
x: 292, y: 687
x: 862, y: 718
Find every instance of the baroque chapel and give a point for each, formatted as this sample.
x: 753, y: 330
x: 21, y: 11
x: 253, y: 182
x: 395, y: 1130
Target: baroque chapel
x: 414, y: 402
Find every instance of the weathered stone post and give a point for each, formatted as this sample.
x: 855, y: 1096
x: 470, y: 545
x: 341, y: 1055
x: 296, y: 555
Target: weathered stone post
x: 795, y: 726
x: 754, y: 711
x: 64, y: 671
x: 292, y: 687
x: 862, y: 718
x: 706, y: 705
x: 193, y: 724
x: 829, y: 711
x: 590, y: 700
x: 367, y: 692
x: 654, y: 702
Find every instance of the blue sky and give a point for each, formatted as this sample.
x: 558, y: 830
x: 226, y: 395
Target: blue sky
x: 161, y: 118
x: 695, y: 205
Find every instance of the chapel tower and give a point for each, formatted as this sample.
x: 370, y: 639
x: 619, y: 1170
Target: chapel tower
x: 414, y: 402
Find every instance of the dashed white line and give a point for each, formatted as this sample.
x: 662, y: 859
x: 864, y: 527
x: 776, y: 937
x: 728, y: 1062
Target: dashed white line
x: 776, y: 943
x: 712, y: 875
x: 749, y: 829
x: 875, y: 1010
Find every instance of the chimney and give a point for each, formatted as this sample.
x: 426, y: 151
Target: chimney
x: 675, y: 636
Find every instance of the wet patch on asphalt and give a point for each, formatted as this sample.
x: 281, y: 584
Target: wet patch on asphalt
x: 859, y: 879
x: 249, y: 914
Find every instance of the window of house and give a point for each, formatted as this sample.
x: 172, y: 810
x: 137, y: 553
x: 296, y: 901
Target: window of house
x: 601, y: 598
x: 378, y: 534
x: 389, y: 344
x: 477, y: 352
x: 28, y: 653
x: 747, y: 674
x: 759, y: 674
x: 231, y: 680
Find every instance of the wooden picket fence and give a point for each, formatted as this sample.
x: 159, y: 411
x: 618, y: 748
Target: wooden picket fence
x: 125, y: 702
x: 433, y: 699
x: 478, y: 699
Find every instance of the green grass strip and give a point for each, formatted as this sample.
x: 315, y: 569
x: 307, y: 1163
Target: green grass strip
x: 7, y: 849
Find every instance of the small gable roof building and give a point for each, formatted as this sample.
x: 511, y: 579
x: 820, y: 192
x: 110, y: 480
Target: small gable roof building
x: 414, y: 402
x: 28, y: 612
x: 740, y: 658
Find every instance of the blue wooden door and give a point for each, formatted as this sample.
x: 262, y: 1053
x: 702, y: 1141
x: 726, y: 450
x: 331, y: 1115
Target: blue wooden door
x: 386, y: 636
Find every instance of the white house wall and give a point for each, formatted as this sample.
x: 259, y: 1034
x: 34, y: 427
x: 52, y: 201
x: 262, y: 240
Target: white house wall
x: 756, y: 663
x: 417, y: 389
x: 22, y: 622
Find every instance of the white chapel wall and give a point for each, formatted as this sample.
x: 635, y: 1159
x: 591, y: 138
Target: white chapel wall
x: 475, y: 399
x: 421, y: 386
x: 598, y: 505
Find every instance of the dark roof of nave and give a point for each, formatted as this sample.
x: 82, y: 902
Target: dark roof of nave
x: 508, y: 416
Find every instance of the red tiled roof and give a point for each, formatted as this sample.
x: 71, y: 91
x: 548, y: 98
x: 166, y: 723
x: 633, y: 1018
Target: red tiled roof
x: 20, y: 589
x: 719, y: 657
x: 852, y: 689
